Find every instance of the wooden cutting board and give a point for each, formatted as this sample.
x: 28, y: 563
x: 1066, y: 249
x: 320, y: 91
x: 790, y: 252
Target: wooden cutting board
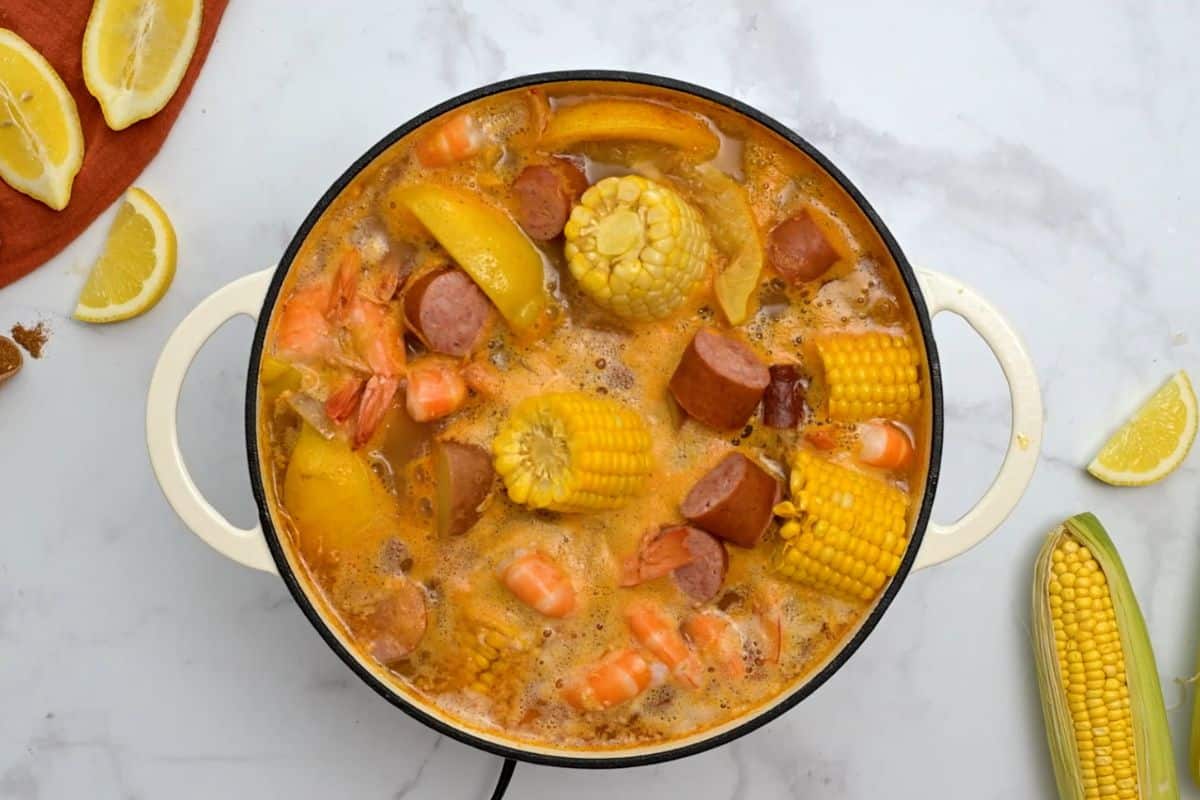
x: 31, y: 233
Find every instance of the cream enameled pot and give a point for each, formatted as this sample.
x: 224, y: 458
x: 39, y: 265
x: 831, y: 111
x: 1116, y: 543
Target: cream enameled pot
x: 260, y: 547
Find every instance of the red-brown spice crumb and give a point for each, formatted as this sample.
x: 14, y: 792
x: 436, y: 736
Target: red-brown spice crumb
x: 32, y: 339
x: 10, y: 358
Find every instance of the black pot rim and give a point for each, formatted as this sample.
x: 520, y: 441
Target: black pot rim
x: 754, y: 720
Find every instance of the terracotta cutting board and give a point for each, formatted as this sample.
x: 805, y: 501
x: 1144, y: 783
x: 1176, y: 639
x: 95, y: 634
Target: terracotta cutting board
x: 31, y: 233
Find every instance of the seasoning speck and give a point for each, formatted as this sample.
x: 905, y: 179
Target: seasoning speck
x: 32, y: 339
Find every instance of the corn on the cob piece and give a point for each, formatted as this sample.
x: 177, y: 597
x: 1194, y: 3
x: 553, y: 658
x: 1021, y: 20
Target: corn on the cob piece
x: 870, y: 376
x: 1101, y: 697
x: 489, y: 648
x: 845, y: 531
x: 636, y: 247
x: 571, y: 451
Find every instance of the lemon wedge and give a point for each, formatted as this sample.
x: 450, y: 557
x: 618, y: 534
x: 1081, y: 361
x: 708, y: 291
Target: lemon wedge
x: 137, y: 265
x: 135, y: 53
x: 41, y: 141
x: 1154, y: 441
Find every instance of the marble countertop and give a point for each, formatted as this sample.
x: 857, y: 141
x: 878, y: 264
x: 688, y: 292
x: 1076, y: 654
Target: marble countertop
x: 1041, y: 152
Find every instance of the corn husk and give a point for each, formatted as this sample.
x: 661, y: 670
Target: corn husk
x: 1156, y: 779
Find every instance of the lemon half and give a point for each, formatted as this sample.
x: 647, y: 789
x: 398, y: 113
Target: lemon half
x: 41, y: 141
x: 1155, y: 441
x: 135, y: 53
x: 137, y: 265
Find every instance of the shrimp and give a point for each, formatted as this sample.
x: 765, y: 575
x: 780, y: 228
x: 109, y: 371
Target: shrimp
x: 376, y: 334
x: 305, y: 332
x: 768, y: 619
x: 345, y: 284
x: 308, y: 322
x: 540, y: 584
x: 459, y: 137
x: 310, y: 328
x: 618, y: 677
x: 435, y: 389
x: 344, y: 400
x: 718, y: 639
x: 884, y: 445
x: 655, y: 631
x: 659, y: 553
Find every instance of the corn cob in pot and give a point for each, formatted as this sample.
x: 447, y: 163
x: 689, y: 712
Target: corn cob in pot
x: 573, y: 451
x: 845, y: 532
x: 636, y: 247
x: 1101, y: 696
x: 870, y: 376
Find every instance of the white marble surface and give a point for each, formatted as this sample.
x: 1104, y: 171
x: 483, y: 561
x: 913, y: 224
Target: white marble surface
x: 1043, y: 152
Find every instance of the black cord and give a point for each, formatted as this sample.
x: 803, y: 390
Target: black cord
x: 506, y: 773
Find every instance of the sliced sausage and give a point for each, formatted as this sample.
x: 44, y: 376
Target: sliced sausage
x: 798, y: 250
x: 733, y: 500
x: 448, y: 311
x: 702, y: 578
x: 545, y: 194
x: 695, y: 559
x: 783, y: 402
x: 397, y: 622
x: 464, y: 478
x: 719, y: 380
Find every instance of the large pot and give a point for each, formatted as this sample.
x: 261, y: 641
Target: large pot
x: 260, y: 547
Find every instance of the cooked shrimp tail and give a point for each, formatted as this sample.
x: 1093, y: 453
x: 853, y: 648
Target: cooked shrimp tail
x: 344, y: 400
x: 768, y: 616
x: 540, y: 584
x: 659, y: 634
x: 718, y: 640
x: 345, y: 284
x: 304, y: 332
x: 435, y: 388
x: 616, y: 678
x: 377, y: 398
x: 459, y: 137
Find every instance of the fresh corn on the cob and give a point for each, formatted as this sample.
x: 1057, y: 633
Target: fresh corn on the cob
x: 636, y: 247
x: 1101, y: 696
x: 870, y: 376
x: 573, y: 452
x: 845, y: 531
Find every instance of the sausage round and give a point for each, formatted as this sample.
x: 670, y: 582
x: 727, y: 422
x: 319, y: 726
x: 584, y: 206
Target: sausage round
x: 798, y: 250
x: 544, y: 195
x: 398, y: 621
x: 702, y: 579
x: 448, y: 311
x: 783, y: 402
x: 719, y: 380
x: 733, y: 500
x: 464, y: 477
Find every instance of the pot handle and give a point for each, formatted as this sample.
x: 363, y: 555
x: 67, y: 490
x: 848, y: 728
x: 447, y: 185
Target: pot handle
x: 242, y: 296
x: 942, y: 542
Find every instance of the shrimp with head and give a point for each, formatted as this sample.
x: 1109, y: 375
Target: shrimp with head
x: 326, y: 321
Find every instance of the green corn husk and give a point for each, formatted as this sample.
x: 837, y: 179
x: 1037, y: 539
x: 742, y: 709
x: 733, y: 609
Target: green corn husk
x: 1152, y: 759
x: 1194, y: 744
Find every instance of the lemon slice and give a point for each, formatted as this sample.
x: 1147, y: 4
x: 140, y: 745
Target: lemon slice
x: 135, y: 53
x: 137, y: 265
x: 1155, y: 441
x: 41, y: 142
